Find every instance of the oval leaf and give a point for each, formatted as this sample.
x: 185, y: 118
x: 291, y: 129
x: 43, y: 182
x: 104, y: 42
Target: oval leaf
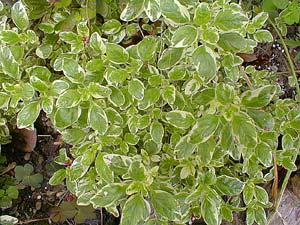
x: 174, y: 11
x: 97, y: 118
x: 203, y: 129
x: 135, y: 210
x: 19, y: 15
x: 205, y: 62
x: 28, y: 115
x: 58, y: 177
x: 180, y: 119
x: 69, y: 99
x: 229, y: 185
x: 184, y: 36
x: 136, y: 89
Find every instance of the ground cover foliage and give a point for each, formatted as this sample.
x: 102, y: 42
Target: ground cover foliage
x: 164, y: 121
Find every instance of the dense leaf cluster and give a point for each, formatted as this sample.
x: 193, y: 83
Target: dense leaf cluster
x: 164, y: 120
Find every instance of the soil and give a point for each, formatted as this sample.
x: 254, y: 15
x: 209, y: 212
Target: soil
x: 38, y: 206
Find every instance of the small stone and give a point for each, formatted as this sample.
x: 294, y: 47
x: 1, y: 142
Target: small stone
x: 27, y: 156
x: 38, y: 205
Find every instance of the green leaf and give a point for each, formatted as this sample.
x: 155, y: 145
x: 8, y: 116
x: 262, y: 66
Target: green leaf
x: 206, y: 150
x: 8, y: 220
x: 152, y: 9
x: 97, y: 43
x: 229, y: 185
x: 184, y: 149
x: 151, y: 96
x: 99, y: 91
x: 204, y: 97
x: 261, y: 195
x: 41, y: 72
x: 263, y: 36
x: 180, y: 119
x: 116, y: 53
x: 44, y: 51
x: 260, y: 216
x: 228, y: 19
x: 83, y: 29
x: 4, y: 99
x: 178, y: 73
x: 59, y: 86
x: 38, y: 84
x: 136, y: 89
x: 184, y: 36
x: 169, y: 58
x: 147, y: 48
x: 135, y: 210
x: 157, y: 132
x: 225, y: 93
x: 10, y: 37
x: 58, y: 177
x: 259, y: 20
x: 174, y: 11
x: 288, y: 164
x: 23, y: 171
x: 262, y: 118
x: 69, y: 99
x: 164, y: 204
x: 108, y: 195
x: 111, y: 26
x: 65, y: 117
x: 132, y: 10
x: 169, y: 94
x: 232, y: 41
x: 280, y: 4
x: 204, y: 61
x: 226, y: 213
x: 210, y: 36
x: 246, y: 134
x: 74, y: 136
x: 210, y: 212
x: 203, y: 14
x: 116, y: 75
x: 28, y: 115
x: 250, y: 216
x: 264, y: 154
x: 259, y: 97
x: 137, y: 171
x: 204, y: 128
x: 103, y: 169
x: 47, y: 28
x: 34, y: 180
x: 226, y: 137
x: 116, y: 97
x: 97, y: 118
x: 248, y: 193
x: 72, y: 70
x: 9, y: 64
x: 12, y: 192
x: 19, y: 15
x: 69, y: 37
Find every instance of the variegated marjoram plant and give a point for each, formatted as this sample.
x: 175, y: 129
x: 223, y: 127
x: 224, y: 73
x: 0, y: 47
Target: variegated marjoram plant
x: 165, y: 122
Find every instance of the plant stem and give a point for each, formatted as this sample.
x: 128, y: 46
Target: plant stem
x: 288, y: 56
x: 287, y: 72
x: 280, y: 195
x: 278, y: 200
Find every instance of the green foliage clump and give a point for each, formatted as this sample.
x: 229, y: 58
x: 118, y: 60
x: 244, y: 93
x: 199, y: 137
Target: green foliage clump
x: 164, y: 120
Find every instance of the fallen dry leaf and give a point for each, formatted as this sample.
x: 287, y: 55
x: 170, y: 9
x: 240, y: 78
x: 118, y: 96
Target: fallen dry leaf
x: 247, y: 57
